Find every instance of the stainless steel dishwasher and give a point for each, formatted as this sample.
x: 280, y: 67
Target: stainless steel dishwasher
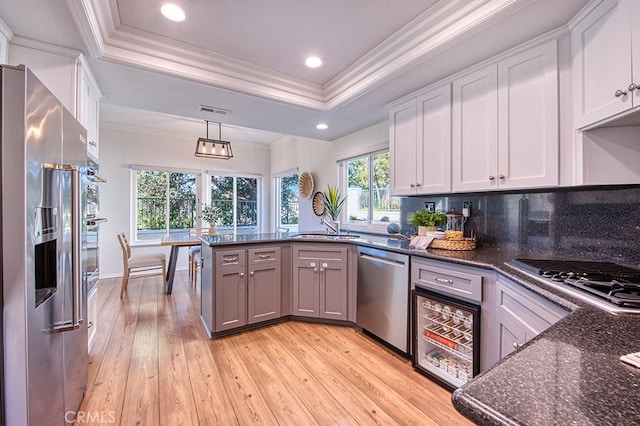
x: 383, y: 296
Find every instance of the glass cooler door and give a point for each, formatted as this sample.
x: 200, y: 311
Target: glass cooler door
x: 446, y: 338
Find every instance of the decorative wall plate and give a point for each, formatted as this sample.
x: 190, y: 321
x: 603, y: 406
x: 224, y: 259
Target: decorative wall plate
x: 305, y: 185
x: 318, y: 203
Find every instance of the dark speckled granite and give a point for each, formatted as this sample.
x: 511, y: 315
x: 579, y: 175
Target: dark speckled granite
x: 570, y: 375
x: 586, y: 222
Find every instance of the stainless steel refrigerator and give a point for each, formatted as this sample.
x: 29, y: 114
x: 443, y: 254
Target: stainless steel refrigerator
x: 44, y: 345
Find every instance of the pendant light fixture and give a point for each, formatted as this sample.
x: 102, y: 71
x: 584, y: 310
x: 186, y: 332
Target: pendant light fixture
x: 214, y: 148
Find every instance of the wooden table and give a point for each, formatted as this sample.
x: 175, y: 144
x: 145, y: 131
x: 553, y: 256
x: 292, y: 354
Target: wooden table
x: 176, y: 242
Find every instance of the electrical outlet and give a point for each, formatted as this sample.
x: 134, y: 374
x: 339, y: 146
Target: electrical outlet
x: 430, y: 206
x: 466, y: 208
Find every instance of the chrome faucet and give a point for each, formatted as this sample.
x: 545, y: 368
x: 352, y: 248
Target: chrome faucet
x: 331, y: 226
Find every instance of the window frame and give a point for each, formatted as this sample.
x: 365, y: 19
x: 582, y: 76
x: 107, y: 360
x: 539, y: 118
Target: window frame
x: 370, y: 226
x: 133, y: 219
x: 277, y: 187
x: 259, y: 182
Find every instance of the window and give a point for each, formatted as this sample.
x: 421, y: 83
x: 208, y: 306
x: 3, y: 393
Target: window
x: 287, y: 201
x: 165, y: 203
x: 368, y: 194
x: 235, y: 199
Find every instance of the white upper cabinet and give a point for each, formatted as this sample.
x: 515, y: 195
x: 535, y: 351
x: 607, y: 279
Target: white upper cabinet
x: 420, y: 143
x: 606, y: 61
x: 68, y: 76
x: 505, y: 123
x: 89, y: 107
x: 433, y: 156
x: 402, y: 148
x: 528, y: 141
x: 475, y: 130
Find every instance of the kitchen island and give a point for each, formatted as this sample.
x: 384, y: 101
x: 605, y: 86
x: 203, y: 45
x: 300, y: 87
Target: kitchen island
x: 570, y: 373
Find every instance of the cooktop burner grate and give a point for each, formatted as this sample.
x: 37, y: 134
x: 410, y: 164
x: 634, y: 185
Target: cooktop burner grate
x: 616, y: 284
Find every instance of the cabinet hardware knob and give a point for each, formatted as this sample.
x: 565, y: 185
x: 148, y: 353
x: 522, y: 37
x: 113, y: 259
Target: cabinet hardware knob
x: 443, y: 280
x: 516, y: 345
x: 321, y: 270
x: 251, y: 273
x: 418, y: 185
x: 492, y: 178
x: 620, y: 92
x: 315, y: 269
x: 412, y: 185
x: 633, y: 86
x: 90, y: 324
x: 502, y: 178
x: 242, y: 274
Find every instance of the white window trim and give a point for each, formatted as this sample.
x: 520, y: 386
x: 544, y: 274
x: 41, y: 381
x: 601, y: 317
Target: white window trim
x: 133, y: 205
x: 235, y: 175
x: 371, y: 228
x: 275, y: 190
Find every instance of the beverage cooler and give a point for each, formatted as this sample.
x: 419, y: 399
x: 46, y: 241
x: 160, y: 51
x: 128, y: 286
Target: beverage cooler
x: 446, y: 338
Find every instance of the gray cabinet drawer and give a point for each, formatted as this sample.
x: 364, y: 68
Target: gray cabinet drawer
x: 327, y: 252
x: 534, y: 313
x: 263, y: 255
x: 230, y: 258
x: 446, y: 280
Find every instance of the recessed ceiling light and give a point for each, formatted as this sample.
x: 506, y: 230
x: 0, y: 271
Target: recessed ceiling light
x: 322, y: 126
x: 172, y: 12
x: 313, y: 62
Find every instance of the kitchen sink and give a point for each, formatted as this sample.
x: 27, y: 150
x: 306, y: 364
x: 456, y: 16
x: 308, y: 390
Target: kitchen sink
x: 326, y: 237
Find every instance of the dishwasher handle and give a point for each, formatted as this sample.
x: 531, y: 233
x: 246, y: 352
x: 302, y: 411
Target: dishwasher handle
x: 396, y: 263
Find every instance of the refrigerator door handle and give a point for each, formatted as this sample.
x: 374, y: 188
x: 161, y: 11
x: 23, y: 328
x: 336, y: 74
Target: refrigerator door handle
x: 76, y: 306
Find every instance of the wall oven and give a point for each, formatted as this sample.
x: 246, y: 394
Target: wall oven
x: 92, y: 226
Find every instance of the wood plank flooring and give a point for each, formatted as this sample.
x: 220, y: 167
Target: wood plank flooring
x: 152, y: 364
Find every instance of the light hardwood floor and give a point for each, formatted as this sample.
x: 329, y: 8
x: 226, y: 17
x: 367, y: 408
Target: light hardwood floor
x: 152, y: 364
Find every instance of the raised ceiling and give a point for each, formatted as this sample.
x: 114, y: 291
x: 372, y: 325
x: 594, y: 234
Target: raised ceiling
x: 247, y: 56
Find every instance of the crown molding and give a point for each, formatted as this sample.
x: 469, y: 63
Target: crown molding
x: 5, y: 30
x: 446, y: 23
x: 46, y: 47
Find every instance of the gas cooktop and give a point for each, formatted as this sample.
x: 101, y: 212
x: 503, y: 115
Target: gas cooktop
x: 607, y: 285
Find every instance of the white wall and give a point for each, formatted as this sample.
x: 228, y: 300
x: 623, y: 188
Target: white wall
x: 320, y: 159
x: 121, y: 147
x: 308, y: 155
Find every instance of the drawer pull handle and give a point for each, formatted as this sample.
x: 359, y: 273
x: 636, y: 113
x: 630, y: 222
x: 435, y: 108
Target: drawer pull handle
x: 263, y: 256
x: 443, y: 280
x: 231, y: 259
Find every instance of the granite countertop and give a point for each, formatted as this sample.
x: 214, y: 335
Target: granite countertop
x: 569, y: 374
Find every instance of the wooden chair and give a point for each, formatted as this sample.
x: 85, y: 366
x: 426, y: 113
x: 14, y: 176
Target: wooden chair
x: 194, y: 253
x: 143, y: 265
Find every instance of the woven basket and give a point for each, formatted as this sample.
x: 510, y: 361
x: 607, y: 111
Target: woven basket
x: 466, y: 244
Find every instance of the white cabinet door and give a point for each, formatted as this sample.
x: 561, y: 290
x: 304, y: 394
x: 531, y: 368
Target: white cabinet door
x: 88, y: 108
x: 433, y: 154
x: 635, y: 53
x: 601, y: 46
x: 402, y: 148
x: 475, y: 131
x: 528, y: 140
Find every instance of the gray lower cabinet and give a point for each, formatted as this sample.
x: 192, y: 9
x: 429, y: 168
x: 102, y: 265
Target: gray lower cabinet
x: 520, y: 315
x: 320, y: 281
x: 240, y: 287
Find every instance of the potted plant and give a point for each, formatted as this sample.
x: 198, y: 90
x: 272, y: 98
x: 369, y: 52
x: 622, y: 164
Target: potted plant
x: 333, y: 202
x: 210, y: 215
x: 427, y: 221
